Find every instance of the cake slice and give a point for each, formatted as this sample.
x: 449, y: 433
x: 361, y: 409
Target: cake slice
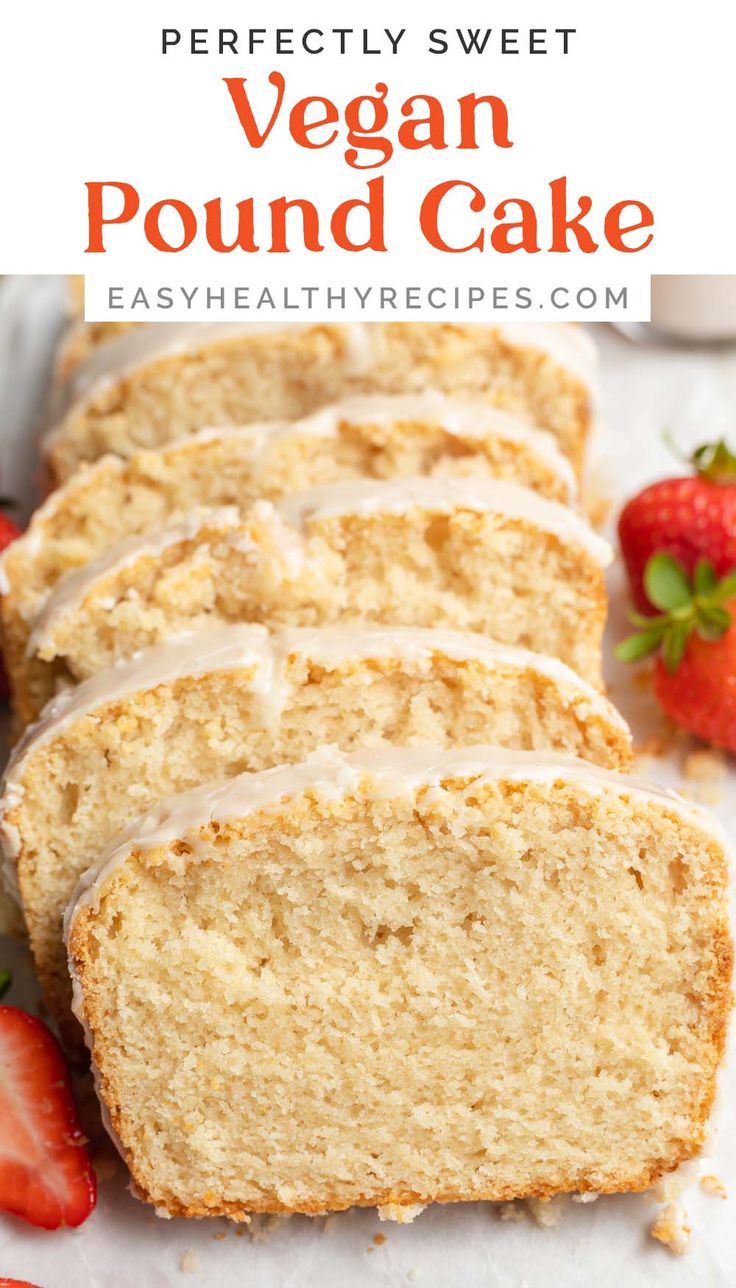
x: 79, y: 338
x: 402, y: 977
x: 378, y: 437
x: 472, y: 555
x: 156, y: 383
x: 214, y: 705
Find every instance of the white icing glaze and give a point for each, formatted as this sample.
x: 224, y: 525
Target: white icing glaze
x: 118, y: 358
x: 385, y: 773
x: 567, y: 346
x: 10, y: 845
x: 466, y: 418
x: 570, y: 347
x: 397, y: 496
x: 472, y: 419
x: 233, y: 647
x: 287, y: 519
x: 72, y: 588
x: 250, y: 646
x: 469, y: 417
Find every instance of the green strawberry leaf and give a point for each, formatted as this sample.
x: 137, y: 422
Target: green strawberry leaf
x: 698, y: 603
x: 666, y: 583
x: 674, y: 643
x: 636, y: 647
x: 725, y: 590
x: 645, y: 620
x: 712, y: 621
x: 705, y: 578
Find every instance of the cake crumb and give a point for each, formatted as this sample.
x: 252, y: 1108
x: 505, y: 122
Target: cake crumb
x: 239, y: 1218
x: 401, y: 1213
x: 597, y: 501
x: 546, y: 1212
x: 221, y: 1234
x: 589, y: 1196
x: 714, y: 1186
x: 189, y: 1264
x: 706, y: 770
x: 704, y: 766
x: 512, y: 1212
x: 672, y: 1185
x: 672, y: 1229
x: 655, y: 746
x: 378, y: 1239
x: 263, y: 1226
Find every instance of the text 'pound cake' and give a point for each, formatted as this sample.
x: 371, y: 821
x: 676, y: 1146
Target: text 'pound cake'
x: 160, y: 382
x: 101, y: 504
x: 470, y: 554
x: 405, y: 977
x: 217, y: 704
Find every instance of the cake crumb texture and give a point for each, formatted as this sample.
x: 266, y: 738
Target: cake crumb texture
x: 283, y: 373
x: 431, y: 565
x: 80, y: 780
x: 512, y: 989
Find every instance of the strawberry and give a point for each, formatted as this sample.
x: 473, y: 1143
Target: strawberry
x: 695, y: 637
x: 689, y: 518
x: 8, y: 532
x: 45, y: 1173
x: 16, y: 1283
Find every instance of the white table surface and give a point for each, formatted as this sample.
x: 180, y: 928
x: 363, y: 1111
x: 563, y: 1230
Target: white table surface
x: 692, y: 393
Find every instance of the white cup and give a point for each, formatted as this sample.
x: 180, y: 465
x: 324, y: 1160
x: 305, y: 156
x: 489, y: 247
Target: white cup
x: 694, y: 308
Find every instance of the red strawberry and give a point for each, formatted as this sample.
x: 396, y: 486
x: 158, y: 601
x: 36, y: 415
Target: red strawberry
x: 16, y: 1283
x: 689, y: 518
x: 695, y: 672
x: 45, y: 1173
x: 8, y: 532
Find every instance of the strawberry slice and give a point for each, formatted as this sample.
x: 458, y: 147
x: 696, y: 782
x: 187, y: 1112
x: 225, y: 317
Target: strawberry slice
x: 46, y: 1176
x: 16, y: 1283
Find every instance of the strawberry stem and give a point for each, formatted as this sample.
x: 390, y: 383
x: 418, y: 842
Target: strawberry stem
x: 715, y: 462
x: 6, y: 978
x: 686, y: 604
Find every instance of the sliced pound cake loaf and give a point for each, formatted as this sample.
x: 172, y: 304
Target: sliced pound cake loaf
x: 214, y: 705
x: 473, y: 555
x: 158, y: 383
x: 403, y: 977
x: 371, y: 437
x: 79, y: 338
